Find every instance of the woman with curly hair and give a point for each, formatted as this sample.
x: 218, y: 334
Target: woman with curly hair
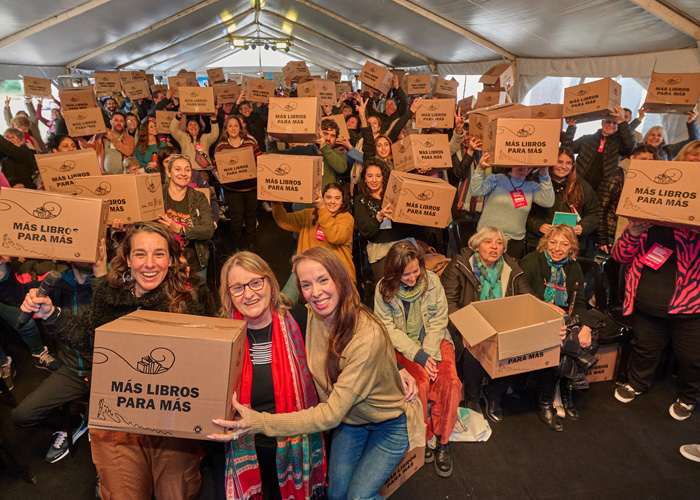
x: 146, y: 146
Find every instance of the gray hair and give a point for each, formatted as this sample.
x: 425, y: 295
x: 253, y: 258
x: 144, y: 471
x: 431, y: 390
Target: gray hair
x: 483, y: 234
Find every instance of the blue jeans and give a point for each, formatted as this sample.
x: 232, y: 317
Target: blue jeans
x: 29, y: 332
x: 363, y: 457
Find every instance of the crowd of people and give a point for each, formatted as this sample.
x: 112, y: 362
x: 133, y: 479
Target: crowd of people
x: 336, y: 387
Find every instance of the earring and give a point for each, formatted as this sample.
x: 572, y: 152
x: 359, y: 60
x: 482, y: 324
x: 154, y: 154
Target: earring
x: 127, y: 277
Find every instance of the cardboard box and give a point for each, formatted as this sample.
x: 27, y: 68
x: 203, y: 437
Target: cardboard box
x: 125, y: 76
x: 175, y: 82
x: 662, y: 192
x: 137, y: 89
x: 36, y: 87
x: 418, y: 84
x: 479, y: 119
x: 323, y: 89
x: 409, y: 465
x: 164, y: 119
x: 592, y: 101
x: 376, y: 76
x: 151, y: 79
x: 672, y: 92
x: 555, y: 111
x: 74, y: 98
x: 132, y: 198
x: 159, y: 88
x: 606, y: 367
x: 226, y: 93
x: 197, y: 100
x: 216, y: 75
x: 333, y: 76
x: 343, y: 133
x: 138, y: 74
x: 293, y: 119
x: 235, y: 165
x: 401, y: 75
x: 292, y: 178
x: 83, y: 122
x: 341, y: 88
x: 418, y: 150
x: 436, y: 113
x: 467, y: 104
x: 488, y: 99
x: 107, y: 81
x: 532, y: 142
x: 152, y: 373
x: 258, y: 90
x: 419, y: 199
x: 498, y: 78
x: 446, y: 89
x: 59, y: 171
x: 293, y: 71
x: 511, y: 335
x: 42, y: 225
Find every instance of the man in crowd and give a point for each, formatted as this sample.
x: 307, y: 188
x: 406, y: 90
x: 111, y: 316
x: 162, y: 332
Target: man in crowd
x: 113, y: 146
x: 18, y: 162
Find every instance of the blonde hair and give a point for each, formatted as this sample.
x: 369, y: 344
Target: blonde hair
x: 691, y: 147
x: 564, y: 230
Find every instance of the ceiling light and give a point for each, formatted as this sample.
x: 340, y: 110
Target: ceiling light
x: 238, y: 42
x: 281, y: 45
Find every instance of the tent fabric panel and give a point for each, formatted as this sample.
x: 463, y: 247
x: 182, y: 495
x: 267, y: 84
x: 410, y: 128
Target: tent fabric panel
x: 18, y: 15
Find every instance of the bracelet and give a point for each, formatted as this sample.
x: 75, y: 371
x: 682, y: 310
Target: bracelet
x: 54, y: 315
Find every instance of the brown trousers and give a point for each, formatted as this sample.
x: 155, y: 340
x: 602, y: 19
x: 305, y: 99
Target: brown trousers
x: 134, y: 467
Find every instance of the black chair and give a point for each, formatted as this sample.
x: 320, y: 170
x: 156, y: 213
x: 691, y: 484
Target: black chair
x: 614, y: 273
x: 459, y: 232
x: 8, y: 458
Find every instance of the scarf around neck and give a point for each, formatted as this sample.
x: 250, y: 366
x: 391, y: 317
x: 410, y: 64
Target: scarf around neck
x: 414, y: 318
x: 555, y: 289
x: 490, y: 279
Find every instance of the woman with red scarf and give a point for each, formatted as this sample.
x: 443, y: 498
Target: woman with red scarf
x: 290, y: 467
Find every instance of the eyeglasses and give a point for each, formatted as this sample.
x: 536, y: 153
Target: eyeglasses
x: 610, y: 122
x: 255, y: 285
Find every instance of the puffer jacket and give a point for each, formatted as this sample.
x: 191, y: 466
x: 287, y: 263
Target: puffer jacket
x: 608, y: 197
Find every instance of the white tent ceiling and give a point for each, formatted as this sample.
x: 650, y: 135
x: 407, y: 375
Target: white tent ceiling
x: 544, y: 37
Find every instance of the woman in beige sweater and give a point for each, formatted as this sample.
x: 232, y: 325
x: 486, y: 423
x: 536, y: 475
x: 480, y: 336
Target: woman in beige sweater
x: 360, y: 389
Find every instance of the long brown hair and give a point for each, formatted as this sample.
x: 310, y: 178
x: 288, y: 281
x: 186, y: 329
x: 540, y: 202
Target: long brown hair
x: 224, y: 132
x: 400, y: 255
x: 573, y: 190
x: 143, y: 137
x: 175, y: 283
x: 386, y: 172
x: 348, y: 311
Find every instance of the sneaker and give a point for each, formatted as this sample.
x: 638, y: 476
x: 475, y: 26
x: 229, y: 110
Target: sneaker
x: 680, y: 411
x: 8, y: 374
x: 45, y: 361
x: 691, y: 452
x: 626, y: 393
x: 59, y: 449
x: 267, y: 207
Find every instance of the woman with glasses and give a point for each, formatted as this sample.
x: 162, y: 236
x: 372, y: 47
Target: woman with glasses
x: 276, y: 380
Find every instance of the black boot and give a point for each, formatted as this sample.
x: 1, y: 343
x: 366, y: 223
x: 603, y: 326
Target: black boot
x: 443, y: 459
x: 429, y: 455
x: 493, y: 407
x: 567, y: 399
x: 547, y: 413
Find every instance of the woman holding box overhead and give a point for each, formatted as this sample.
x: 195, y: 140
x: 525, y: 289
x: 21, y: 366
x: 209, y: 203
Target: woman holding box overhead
x: 656, y: 137
x: 360, y: 389
x: 411, y: 303
x: 275, y: 379
x: 242, y: 196
x: 146, y: 273
x: 194, y: 143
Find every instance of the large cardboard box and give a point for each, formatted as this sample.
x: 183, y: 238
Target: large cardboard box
x: 197, y: 100
x: 235, y: 165
x: 59, y: 171
x: 84, y: 122
x: 343, y: 133
x: 488, y: 99
x: 293, y: 71
x: 258, y: 90
x: 555, y: 111
x: 409, y: 465
x: 419, y: 199
x: 420, y: 150
x: 606, y: 367
x: 165, y: 374
x: 672, y: 92
x: 137, y: 89
x: 418, y: 84
x: 436, y: 113
x: 42, y: 225
x: 592, y: 101
x: 74, y: 98
x: 293, y: 119
x: 226, y: 93
x: 36, y: 87
x: 479, y: 119
x: 216, y: 75
x: 376, y: 76
x: 333, y: 76
x: 107, y: 81
x: 466, y: 105
x: 175, y: 82
x: 164, y: 119
x: 132, y: 198
x: 151, y: 79
x: 498, y: 78
x: 138, y: 74
x: 401, y: 75
x: 532, y: 142
x: 446, y: 89
x: 511, y: 335
x: 662, y: 192
x: 341, y: 88
x: 159, y: 88
x: 323, y: 89
x: 292, y: 178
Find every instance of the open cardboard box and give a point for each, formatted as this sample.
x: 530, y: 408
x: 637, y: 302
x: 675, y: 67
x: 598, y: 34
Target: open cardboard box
x: 498, y: 78
x: 592, y: 101
x: 165, y: 374
x: 419, y: 199
x: 511, y: 335
x: 59, y: 171
x: 672, y: 92
x: 531, y: 142
x: 289, y: 178
x: 293, y: 119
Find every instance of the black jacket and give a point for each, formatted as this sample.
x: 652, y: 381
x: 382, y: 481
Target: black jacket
x: 608, y: 197
x: 18, y: 163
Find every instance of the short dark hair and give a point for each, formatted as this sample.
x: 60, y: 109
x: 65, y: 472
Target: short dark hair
x: 646, y: 148
x: 328, y: 124
x: 627, y: 109
x: 123, y: 115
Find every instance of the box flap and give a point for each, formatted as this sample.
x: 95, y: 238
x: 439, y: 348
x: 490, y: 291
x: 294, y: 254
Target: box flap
x: 533, y: 338
x: 472, y: 325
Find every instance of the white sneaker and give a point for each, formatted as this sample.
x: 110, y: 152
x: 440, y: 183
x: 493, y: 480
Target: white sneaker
x: 691, y: 452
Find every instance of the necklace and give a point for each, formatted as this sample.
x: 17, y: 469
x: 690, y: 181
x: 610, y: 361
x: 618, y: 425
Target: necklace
x: 511, y: 183
x: 261, y: 352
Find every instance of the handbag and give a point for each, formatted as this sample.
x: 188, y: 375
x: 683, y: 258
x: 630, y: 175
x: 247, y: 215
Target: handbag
x: 471, y: 426
x: 202, y: 161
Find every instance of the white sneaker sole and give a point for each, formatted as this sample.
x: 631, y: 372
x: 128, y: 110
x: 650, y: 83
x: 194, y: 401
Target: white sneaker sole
x: 676, y: 415
x: 688, y: 455
x: 622, y: 399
